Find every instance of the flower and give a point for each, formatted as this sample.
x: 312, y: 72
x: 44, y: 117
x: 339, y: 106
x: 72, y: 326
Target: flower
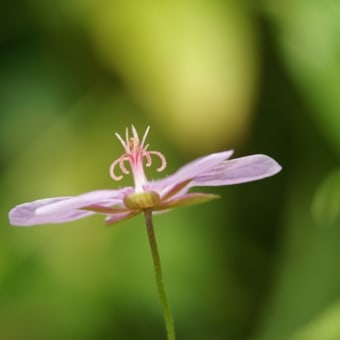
x: 158, y: 195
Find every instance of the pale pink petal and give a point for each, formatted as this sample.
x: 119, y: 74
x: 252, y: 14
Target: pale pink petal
x: 100, y: 197
x: 62, y: 209
x: 111, y: 219
x: 24, y: 214
x: 238, y: 170
x: 191, y: 170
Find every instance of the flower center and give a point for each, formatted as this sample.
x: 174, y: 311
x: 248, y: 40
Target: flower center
x: 142, y: 200
x: 135, y: 154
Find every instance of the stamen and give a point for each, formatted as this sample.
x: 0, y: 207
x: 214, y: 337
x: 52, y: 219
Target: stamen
x: 144, y: 138
x: 135, y: 136
x: 126, y: 134
x: 121, y: 140
x: 135, y: 152
x: 122, y: 165
x: 161, y: 157
x: 148, y: 159
x: 133, y: 145
x: 112, y: 170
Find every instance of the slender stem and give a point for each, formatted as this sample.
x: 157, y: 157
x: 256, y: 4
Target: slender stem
x: 169, y: 323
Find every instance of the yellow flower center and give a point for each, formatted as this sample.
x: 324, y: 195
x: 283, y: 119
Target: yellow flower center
x: 142, y: 200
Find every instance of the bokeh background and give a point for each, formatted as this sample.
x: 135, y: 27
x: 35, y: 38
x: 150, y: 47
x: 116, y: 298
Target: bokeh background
x: 262, y: 262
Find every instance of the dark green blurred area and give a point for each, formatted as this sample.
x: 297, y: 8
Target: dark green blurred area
x: 262, y: 262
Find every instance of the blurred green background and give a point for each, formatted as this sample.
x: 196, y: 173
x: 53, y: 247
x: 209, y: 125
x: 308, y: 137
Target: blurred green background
x: 262, y: 262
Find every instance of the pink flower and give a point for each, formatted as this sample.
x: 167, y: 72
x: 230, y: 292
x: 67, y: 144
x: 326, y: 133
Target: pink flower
x: 159, y: 195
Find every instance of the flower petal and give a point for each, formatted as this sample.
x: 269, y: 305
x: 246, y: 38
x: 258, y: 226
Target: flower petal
x: 62, y: 209
x: 238, y: 170
x: 24, y: 214
x: 109, y: 220
x: 187, y: 199
x: 189, y: 171
x: 101, y: 209
x: 177, y: 189
x: 100, y: 197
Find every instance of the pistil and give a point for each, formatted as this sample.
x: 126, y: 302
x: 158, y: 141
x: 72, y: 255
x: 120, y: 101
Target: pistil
x: 135, y: 152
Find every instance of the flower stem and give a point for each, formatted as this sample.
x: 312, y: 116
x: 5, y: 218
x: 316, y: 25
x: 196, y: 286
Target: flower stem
x: 169, y: 323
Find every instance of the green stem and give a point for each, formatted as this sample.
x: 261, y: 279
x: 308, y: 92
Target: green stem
x: 169, y: 323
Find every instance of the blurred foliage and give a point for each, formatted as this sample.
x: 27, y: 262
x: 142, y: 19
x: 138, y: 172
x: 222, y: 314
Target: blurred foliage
x: 259, y: 77
x: 308, y: 32
x: 326, y: 204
